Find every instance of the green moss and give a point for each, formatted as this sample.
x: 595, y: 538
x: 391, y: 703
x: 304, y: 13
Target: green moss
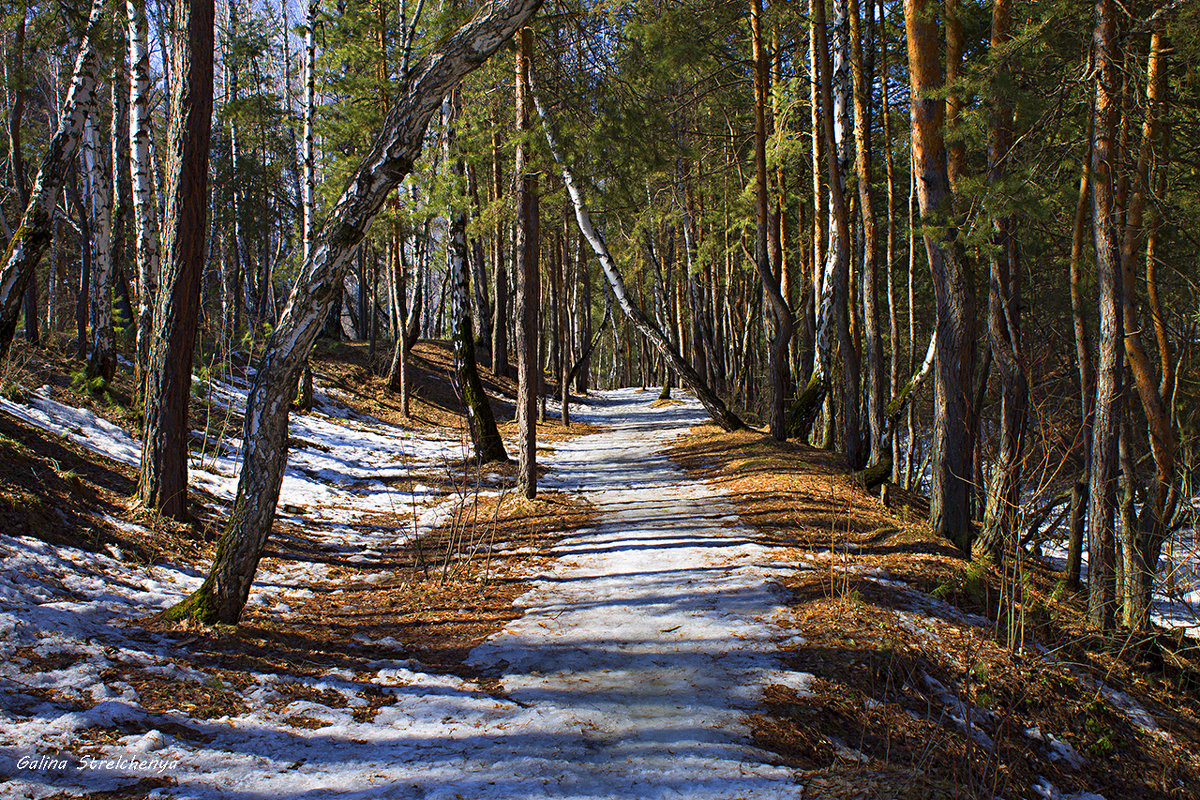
x: 804, y: 408
x: 873, y: 476
x: 200, y: 607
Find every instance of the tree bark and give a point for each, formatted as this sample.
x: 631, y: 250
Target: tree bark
x: 163, y: 477
x: 500, y: 320
x: 18, y: 80
x: 145, y: 211
x: 1087, y: 372
x: 527, y: 247
x: 1103, y: 478
x: 770, y: 274
x: 101, y: 180
x: 485, y: 437
x: 953, y: 440
x: 1146, y: 378
x: 32, y: 237
x: 831, y: 307
x: 880, y: 451
x: 1004, y: 319
x: 223, y: 594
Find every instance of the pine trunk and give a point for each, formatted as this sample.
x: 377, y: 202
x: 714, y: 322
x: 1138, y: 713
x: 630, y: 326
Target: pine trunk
x: 953, y: 440
x: 163, y: 479
x: 1103, y: 477
x: 1004, y: 321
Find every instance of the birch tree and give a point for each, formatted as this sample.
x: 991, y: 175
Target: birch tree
x: 145, y: 210
x: 222, y: 595
x: 32, y: 237
x: 99, y: 179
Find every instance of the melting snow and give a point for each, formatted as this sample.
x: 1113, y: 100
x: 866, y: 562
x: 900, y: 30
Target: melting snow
x: 642, y: 647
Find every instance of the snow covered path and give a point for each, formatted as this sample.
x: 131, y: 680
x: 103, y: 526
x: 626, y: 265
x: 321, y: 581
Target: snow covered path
x: 645, y: 644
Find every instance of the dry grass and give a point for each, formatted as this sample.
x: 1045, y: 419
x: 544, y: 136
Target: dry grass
x: 875, y: 725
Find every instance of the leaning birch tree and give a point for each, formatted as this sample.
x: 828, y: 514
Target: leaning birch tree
x: 32, y: 237
x: 222, y: 595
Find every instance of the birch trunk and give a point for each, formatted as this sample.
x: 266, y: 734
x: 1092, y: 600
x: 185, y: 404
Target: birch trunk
x: 102, y: 355
x: 223, y: 594
x: 145, y: 212
x: 32, y: 237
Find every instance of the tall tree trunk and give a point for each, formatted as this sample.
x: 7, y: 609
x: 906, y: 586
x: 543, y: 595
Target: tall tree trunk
x: 769, y: 274
x: 526, y: 246
x: 1146, y: 378
x: 102, y: 355
x: 880, y: 451
x: 500, y: 320
x: 953, y: 439
x: 163, y: 479
x: 481, y: 422
x: 223, y: 594
x: 1087, y: 371
x: 32, y: 237
x: 1103, y: 477
x: 17, y: 81
x: 893, y: 443
x: 145, y: 211
x: 832, y: 312
x: 1004, y: 317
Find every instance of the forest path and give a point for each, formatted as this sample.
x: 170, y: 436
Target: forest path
x: 648, y: 639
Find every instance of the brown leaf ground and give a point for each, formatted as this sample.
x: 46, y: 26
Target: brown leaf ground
x: 874, y: 726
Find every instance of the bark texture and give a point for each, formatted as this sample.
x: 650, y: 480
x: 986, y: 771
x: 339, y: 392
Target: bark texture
x: 954, y: 435
x: 163, y: 480
x: 1110, y: 364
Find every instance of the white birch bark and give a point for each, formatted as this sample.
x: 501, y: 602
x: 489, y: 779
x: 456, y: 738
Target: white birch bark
x: 145, y: 210
x: 32, y: 237
x: 102, y: 358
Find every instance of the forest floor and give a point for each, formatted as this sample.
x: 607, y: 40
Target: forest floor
x: 682, y: 612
